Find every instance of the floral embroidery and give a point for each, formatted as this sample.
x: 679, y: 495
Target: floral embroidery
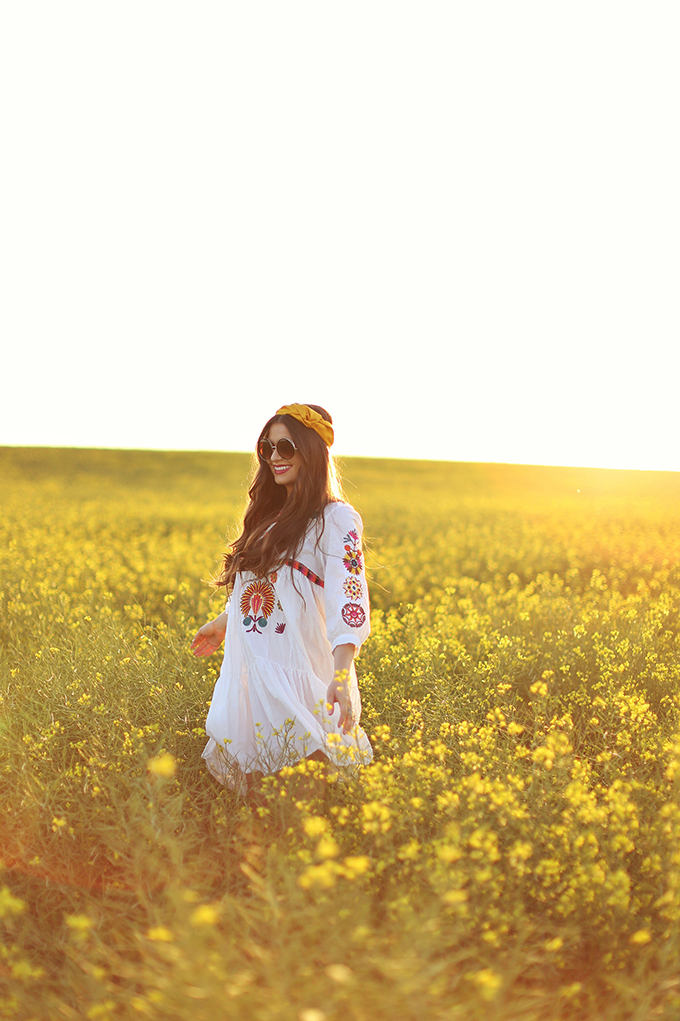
x: 353, y: 614
x: 352, y: 558
x: 353, y: 588
x: 257, y: 604
x: 280, y: 627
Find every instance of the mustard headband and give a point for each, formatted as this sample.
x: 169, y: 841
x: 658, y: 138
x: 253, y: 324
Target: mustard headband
x: 312, y: 419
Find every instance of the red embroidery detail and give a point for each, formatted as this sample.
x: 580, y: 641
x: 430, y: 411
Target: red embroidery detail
x: 352, y: 560
x: 297, y: 566
x: 257, y: 603
x: 280, y: 628
x: 352, y: 557
x: 353, y: 614
x: 352, y: 587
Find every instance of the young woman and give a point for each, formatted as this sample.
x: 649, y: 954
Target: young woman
x: 297, y: 614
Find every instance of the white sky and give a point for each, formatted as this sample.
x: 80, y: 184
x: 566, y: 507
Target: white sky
x: 454, y: 224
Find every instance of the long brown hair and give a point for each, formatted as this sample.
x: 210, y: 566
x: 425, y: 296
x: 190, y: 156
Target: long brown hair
x: 275, y: 522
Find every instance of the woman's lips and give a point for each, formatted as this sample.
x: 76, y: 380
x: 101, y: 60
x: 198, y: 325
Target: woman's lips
x: 281, y: 469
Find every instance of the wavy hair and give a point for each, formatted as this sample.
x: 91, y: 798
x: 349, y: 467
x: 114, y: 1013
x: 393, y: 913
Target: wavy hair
x: 275, y: 521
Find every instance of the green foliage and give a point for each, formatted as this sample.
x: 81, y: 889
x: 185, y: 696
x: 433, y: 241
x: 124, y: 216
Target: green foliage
x: 512, y: 853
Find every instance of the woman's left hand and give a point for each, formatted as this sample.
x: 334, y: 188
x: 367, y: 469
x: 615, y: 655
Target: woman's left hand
x: 209, y: 637
x: 338, y: 691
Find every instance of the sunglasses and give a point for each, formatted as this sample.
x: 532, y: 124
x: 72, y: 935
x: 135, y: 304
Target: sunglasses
x: 286, y: 449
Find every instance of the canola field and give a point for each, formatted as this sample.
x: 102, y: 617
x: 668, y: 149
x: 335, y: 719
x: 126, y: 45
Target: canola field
x: 512, y: 854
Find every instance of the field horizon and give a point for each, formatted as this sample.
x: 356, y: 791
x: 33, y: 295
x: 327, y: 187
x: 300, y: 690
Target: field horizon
x: 28, y: 447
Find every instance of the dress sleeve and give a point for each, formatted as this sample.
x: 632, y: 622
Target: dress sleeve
x: 345, y: 588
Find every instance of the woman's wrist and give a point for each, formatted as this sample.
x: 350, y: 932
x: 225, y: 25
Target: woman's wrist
x: 343, y: 657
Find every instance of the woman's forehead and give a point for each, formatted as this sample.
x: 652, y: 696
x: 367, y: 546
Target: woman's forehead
x: 277, y: 431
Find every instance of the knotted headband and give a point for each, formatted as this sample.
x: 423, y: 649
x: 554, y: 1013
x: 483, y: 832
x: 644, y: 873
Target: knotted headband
x: 312, y: 419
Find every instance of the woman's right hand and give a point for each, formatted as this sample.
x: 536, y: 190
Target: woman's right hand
x: 209, y: 637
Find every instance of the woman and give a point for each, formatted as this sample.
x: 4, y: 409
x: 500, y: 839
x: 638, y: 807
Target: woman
x: 297, y: 614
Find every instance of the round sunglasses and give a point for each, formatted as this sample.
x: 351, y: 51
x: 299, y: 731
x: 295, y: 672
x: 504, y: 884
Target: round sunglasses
x: 286, y: 449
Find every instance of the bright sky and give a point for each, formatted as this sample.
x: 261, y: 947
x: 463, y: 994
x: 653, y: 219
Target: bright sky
x: 454, y: 224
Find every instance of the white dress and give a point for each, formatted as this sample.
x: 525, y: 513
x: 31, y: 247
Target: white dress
x: 269, y: 704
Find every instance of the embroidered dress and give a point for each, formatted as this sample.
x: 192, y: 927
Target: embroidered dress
x: 269, y: 704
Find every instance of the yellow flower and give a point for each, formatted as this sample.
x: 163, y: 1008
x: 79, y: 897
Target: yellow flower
x: 409, y: 852
x: 455, y: 897
x: 449, y: 853
x: 376, y: 817
x: 327, y: 848
x: 339, y: 973
x: 163, y: 765
x: 205, y: 914
x: 487, y: 981
x: 357, y: 864
x: 81, y: 923
x: 323, y: 875
x: 315, y: 826
x: 10, y: 905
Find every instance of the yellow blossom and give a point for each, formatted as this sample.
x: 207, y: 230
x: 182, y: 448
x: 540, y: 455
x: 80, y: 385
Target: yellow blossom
x: 327, y: 848
x: 323, y: 875
x: 315, y: 825
x: 455, y: 897
x: 487, y: 981
x: 81, y: 923
x: 357, y: 864
x: 339, y: 973
x: 164, y: 765
x: 204, y: 914
x: 9, y: 904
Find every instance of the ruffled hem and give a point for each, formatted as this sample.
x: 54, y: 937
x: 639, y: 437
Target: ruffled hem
x: 264, y: 722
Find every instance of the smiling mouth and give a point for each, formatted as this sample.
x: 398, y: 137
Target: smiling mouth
x: 281, y: 469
